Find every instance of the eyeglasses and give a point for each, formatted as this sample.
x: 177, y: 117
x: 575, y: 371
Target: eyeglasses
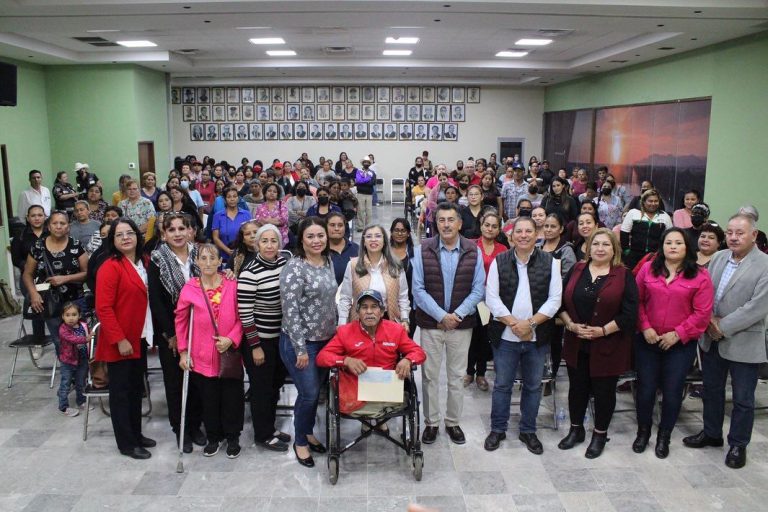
x: 374, y: 236
x: 125, y: 234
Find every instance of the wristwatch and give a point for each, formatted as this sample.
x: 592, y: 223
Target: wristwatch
x: 533, y: 325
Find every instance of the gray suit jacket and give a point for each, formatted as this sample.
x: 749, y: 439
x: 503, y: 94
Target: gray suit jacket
x: 742, y: 308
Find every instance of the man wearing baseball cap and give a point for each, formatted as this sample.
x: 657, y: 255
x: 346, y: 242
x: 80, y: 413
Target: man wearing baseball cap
x: 367, y: 342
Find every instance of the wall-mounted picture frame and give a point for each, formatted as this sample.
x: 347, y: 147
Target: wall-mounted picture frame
x: 413, y: 113
x: 443, y: 113
x: 398, y: 95
x: 286, y: 131
x: 353, y: 94
x: 307, y: 112
x: 375, y: 131
x: 270, y: 131
x: 292, y: 112
x: 203, y: 95
x: 368, y: 112
x: 316, y: 131
x: 361, y: 131
x: 233, y: 112
x: 241, y: 131
x: 428, y: 113
x: 337, y: 112
x: 254, y: 131
x: 263, y: 94
x: 307, y: 94
x: 383, y: 113
x: 226, y: 132
x: 368, y: 94
x: 249, y: 95
x: 262, y: 112
x: 443, y: 94
x: 345, y: 131
x: 323, y: 112
x: 219, y: 113
x: 249, y: 112
x: 451, y: 131
x: 428, y: 94
x: 457, y: 113
x: 413, y: 94
x: 398, y: 113
x: 300, y: 131
x: 176, y: 95
x: 457, y: 95
x: 331, y: 131
x: 420, y: 131
x: 323, y: 94
x: 217, y: 95
x: 211, y: 132
x: 278, y: 112
x: 406, y: 131
x: 188, y: 113
x: 337, y: 94
x: 382, y: 95
x: 204, y: 113
x: 353, y: 112
x: 293, y: 94
x: 278, y: 94
x: 435, y: 132
x: 473, y: 95
x: 188, y: 95
x: 390, y: 131
x: 196, y: 132
x: 233, y: 95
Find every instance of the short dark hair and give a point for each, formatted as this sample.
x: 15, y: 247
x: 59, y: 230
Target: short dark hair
x: 304, y: 224
x: 445, y: 206
x: 33, y: 172
x: 110, y: 242
x: 116, y: 209
x: 711, y: 227
x: 690, y: 265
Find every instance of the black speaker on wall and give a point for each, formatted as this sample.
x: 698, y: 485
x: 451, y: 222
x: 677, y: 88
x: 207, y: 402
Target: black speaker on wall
x: 7, y: 85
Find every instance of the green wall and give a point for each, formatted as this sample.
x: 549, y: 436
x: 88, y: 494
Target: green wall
x: 151, y: 100
x: 734, y: 75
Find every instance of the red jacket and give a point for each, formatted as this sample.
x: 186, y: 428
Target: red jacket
x: 121, y: 306
x: 381, y: 351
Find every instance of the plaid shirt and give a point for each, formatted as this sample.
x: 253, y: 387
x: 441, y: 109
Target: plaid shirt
x: 511, y: 193
x: 728, y: 271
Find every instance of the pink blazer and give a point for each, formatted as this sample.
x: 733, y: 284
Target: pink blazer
x: 205, y: 357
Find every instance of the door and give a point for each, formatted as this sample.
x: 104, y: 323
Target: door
x: 510, y: 147
x: 146, y: 157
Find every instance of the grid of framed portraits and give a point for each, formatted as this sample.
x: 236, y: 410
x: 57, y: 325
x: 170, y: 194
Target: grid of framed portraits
x: 290, y: 112
x: 346, y: 130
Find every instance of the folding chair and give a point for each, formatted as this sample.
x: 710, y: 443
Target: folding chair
x: 30, y: 342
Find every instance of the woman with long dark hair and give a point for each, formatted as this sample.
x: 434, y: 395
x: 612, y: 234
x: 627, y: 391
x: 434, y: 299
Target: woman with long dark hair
x: 226, y: 223
x: 642, y: 228
x: 122, y: 306
x: 402, y: 249
x: 676, y: 301
x: 558, y: 200
x: 246, y: 246
x: 97, y: 206
x: 273, y: 211
x: 64, y: 193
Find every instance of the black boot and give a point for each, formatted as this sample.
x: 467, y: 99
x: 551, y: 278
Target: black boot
x: 662, y: 443
x: 641, y: 441
x: 596, y: 446
x: 575, y: 436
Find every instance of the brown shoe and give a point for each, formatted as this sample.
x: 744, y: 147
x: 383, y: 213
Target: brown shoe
x: 468, y: 380
x: 482, y: 384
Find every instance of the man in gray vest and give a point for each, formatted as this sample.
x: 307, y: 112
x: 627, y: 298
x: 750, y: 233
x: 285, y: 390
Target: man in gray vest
x: 446, y: 312
x: 735, y: 341
x: 523, y: 293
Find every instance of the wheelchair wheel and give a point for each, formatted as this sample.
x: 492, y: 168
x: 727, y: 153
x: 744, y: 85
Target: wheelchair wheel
x: 333, y: 469
x: 418, y: 465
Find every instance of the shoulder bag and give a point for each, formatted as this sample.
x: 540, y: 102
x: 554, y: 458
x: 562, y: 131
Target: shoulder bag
x: 230, y: 362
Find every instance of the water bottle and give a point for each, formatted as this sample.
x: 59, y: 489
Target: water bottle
x: 561, y: 416
x: 586, y: 417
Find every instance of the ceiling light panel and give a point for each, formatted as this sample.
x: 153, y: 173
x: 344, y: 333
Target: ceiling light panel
x: 397, y: 53
x: 402, y: 40
x: 136, y: 44
x: 267, y: 40
x: 281, y: 53
x: 533, y: 42
x: 510, y: 53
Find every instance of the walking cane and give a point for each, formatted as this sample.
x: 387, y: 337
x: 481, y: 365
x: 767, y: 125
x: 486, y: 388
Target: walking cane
x: 185, y: 392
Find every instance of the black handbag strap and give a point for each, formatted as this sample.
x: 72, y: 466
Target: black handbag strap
x: 46, y: 262
x: 210, y: 309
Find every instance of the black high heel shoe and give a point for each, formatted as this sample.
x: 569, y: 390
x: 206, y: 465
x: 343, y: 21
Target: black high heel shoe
x: 309, y: 462
x: 597, y: 445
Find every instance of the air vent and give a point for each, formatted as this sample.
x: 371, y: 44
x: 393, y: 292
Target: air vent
x: 91, y: 39
x: 619, y: 61
x: 666, y: 48
x: 553, y: 32
x: 337, y: 50
x: 105, y: 43
x: 188, y: 51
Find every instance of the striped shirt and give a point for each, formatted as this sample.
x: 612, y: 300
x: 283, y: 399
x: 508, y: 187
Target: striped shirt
x: 258, y: 297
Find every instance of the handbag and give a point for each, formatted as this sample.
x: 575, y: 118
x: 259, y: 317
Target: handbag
x: 230, y: 363
x: 52, y: 301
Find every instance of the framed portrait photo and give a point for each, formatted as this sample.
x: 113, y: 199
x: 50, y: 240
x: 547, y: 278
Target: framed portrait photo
x: 254, y: 131
x: 217, y: 95
x: 226, y: 132
x: 406, y: 131
x: 413, y: 113
x: 457, y: 113
x: 211, y: 132
x: 323, y: 94
x: 375, y: 131
x: 443, y: 94
x: 278, y: 94
x: 249, y: 95
x: 361, y: 131
x: 420, y: 131
x: 323, y: 112
x: 382, y: 95
x: 307, y: 94
x: 443, y: 113
x: 249, y: 112
x: 286, y: 131
x: 428, y: 113
x: 263, y: 94
x: 307, y: 112
x: 337, y: 94
x: 368, y: 93
x: 233, y: 95
x: 473, y: 95
x: 345, y: 131
x: 413, y: 94
x: 278, y: 112
x: 188, y: 113
x: 316, y: 131
x: 233, y: 112
x: 353, y: 112
x: 435, y: 132
x: 450, y: 131
x: 292, y: 94
x: 270, y: 131
x: 337, y: 112
x: 428, y: 94
x: 368, y: 112
x: 390, y: 131
x: 241, y: 131
x: 204, y: 113
x: 300, y: 131
x: 398, y: 113
x: 188, y: 95
x: 203, y: 95
x: 331, y: 131
x: 292, y: 112
x: 219, y: 113
x: 398, y: 95
x: 196, y: 132
x: 353, y: 94
x: 176, y: 95
x: 382, y: 113
x: 262, y: 112
x: 457, y: 95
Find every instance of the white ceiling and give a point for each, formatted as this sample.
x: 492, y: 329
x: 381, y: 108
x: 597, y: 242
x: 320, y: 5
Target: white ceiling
x: 458, y: 39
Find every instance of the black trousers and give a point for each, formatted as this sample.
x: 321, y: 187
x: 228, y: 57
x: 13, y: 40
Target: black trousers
x: 266, y: 381
x: 173, y: 379
x: 581, y: 386
x: 126, y: 388
x: 556, y: 348
x: 223, y: 412
x: 479, y: 350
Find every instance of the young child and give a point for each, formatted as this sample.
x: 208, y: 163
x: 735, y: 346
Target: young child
x: 74, y: 336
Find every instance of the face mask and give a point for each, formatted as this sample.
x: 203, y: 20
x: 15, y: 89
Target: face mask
x: 525, y: 212
x: 607, y: 190
x: 366, y: 166
x: 463, y: 186
x: 301, y: 192
x: 419, y: 166
x: 698, y: 220
x: 323, y: 200
x: 184, y: 185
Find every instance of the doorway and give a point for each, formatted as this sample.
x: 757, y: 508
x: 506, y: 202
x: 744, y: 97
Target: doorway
x: 146, y: 157
x: 510, y: 147
x: 6, y: 184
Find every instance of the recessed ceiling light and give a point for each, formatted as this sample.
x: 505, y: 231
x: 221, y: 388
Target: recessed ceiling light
x: 252, y: 28
x: 206, y: 21
x: 660, y: 25
x: 281, y: 53
x: 533, y: 42
x: 402, y: 40
x: 102, y: 31
x: 509, y: 53
x: 267, y: 40
x: 397, y: 53
x: 136, y: 44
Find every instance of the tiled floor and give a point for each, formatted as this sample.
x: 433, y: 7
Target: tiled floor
x: 45, y: 465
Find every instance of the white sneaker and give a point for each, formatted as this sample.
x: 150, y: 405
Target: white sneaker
x: 70, y: 412
x: 82, y: 407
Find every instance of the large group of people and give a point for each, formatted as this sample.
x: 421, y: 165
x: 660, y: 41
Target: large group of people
x: 227, y: 271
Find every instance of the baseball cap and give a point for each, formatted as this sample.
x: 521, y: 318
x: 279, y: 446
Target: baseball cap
x: 372, y: 294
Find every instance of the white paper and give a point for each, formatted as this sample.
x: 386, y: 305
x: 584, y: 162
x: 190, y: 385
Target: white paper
x: 379, y: 385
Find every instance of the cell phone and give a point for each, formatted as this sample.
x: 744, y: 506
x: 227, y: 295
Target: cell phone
x: 43, y: 287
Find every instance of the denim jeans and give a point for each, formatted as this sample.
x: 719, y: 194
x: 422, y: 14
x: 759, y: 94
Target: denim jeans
x: 307, y: 382
x: 70, y: 372
x: 743, y: 383
x: 665, y: 370
x: 507, y: 356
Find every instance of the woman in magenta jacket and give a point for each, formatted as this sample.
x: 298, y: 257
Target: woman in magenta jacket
x: 676, y: 299
x: 222, y: 397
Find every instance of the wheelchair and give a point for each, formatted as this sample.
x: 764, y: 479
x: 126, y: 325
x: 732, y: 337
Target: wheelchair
x: 409, y: 440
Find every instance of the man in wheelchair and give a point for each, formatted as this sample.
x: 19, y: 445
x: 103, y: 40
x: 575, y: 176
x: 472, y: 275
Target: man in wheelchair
x: 370, y: 341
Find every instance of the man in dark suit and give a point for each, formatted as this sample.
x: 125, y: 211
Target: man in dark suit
x: 271, y: 134
x: 301, y: 131
x: 360, y: 131
x: 450, y: 134
x: 435, y: 135
x: 345, y: 132
x: 330, y: 132
x: 390, y: 132
x: 316, y: 132
x: 406, y: 132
